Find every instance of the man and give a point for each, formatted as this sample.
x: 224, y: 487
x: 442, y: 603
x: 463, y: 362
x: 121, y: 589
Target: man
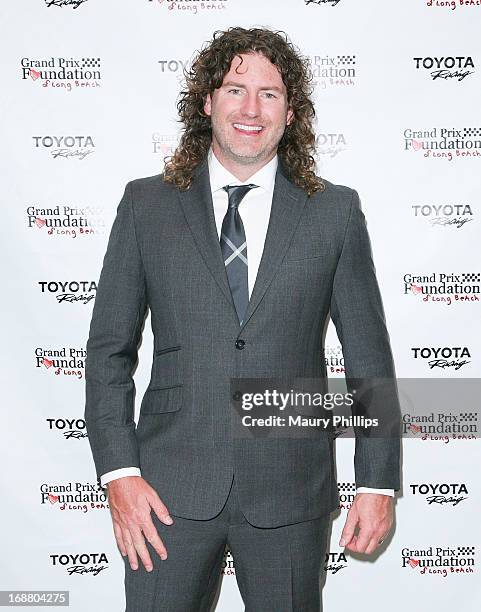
x: 240, y: 251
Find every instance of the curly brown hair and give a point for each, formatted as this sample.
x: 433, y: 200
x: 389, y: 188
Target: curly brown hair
x: 207, y: 71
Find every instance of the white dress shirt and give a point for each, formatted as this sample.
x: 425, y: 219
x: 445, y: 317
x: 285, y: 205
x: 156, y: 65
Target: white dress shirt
x: 254, y: 210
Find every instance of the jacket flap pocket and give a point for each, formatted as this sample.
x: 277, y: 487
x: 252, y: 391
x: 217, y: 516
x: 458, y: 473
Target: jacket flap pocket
x: 161, y: 400
x: 166, y: 369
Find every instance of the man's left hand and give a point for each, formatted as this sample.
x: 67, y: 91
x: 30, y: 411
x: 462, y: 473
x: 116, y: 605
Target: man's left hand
x: 374, y: 514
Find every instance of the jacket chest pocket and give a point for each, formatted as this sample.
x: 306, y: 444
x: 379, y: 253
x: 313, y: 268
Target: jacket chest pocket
x: 164, y: 393
x: 309, y: 244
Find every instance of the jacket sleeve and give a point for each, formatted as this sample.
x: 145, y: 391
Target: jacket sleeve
x: 114, y: 334
x: 358, y: 315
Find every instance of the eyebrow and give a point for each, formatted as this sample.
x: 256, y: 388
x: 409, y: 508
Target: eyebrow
x: 232, y: 84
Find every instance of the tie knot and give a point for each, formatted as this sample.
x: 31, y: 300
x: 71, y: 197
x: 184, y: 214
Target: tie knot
x: 237, y: 192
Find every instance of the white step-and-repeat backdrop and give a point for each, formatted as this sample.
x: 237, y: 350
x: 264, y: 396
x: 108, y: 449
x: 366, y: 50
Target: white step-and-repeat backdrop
x: 88, y: 103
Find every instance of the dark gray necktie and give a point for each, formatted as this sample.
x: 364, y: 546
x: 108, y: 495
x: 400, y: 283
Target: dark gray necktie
x: 234, y: 248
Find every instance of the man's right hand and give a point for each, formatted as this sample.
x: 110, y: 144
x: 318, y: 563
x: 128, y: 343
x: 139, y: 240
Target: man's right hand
x: 131, y: 499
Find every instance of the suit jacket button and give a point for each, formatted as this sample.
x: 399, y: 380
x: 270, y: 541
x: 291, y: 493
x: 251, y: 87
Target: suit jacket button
x: 240, y: 344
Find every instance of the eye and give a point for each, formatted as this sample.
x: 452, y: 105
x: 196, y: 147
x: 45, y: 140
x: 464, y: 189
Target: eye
x: 234, y: 90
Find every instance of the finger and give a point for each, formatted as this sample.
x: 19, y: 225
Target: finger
x: 372, y: 545
x: 152, y: 536
x: 352, y: 545
x: 131, y: 552
x: 140, y: 547
x: 119, y: 538
x: 382, y: 539
x: 160, y: 509
x: 364, y: 537
x: 349, y: 528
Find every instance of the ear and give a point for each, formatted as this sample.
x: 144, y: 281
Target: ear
x: 208, y: 105
x: 290, y: 116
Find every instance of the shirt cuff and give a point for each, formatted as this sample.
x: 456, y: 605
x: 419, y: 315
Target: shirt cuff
x: 379, y: 491
x: 114, y: 474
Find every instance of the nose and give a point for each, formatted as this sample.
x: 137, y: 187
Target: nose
x: 250, y: 106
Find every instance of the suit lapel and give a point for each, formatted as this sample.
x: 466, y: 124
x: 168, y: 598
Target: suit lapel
x: 199, y: 212
x: 288, y: 202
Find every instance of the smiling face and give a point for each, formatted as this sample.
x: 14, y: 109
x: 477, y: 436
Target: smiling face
x: 249, y: 113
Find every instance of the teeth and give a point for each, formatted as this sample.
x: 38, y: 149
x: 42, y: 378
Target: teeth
x: 248, y: 128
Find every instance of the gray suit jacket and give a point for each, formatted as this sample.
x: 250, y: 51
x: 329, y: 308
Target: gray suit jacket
x: 164, y: 253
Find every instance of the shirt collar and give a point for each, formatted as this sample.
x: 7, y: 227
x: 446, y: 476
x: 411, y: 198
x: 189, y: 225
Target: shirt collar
x: 220, y: 176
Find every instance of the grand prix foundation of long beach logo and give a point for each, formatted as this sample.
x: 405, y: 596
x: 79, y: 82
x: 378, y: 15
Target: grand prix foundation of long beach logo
x: 60, y: 221
x: 74, y: 496
x: 334, y: 359
x: 63, y: 361
x: 452, y: 5
x: 61, y: 72
x: 347, y: 493
x: 440, y: 561
x: 444, y: 143
x: 333, y: 70
x: 191, y: 7
x: 446, y: 288
x: 441, y: 426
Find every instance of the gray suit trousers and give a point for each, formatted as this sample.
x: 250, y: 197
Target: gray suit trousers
x: 278, y: 569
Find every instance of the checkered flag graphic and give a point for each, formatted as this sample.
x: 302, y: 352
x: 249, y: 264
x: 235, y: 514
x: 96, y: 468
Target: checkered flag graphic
x: 90, y: 62
x: 471, y: 132
x: 468, y: 416
x: 346, y: 487
x: 471, y: 277
x: 348, y: 60
x: 466, y: 550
